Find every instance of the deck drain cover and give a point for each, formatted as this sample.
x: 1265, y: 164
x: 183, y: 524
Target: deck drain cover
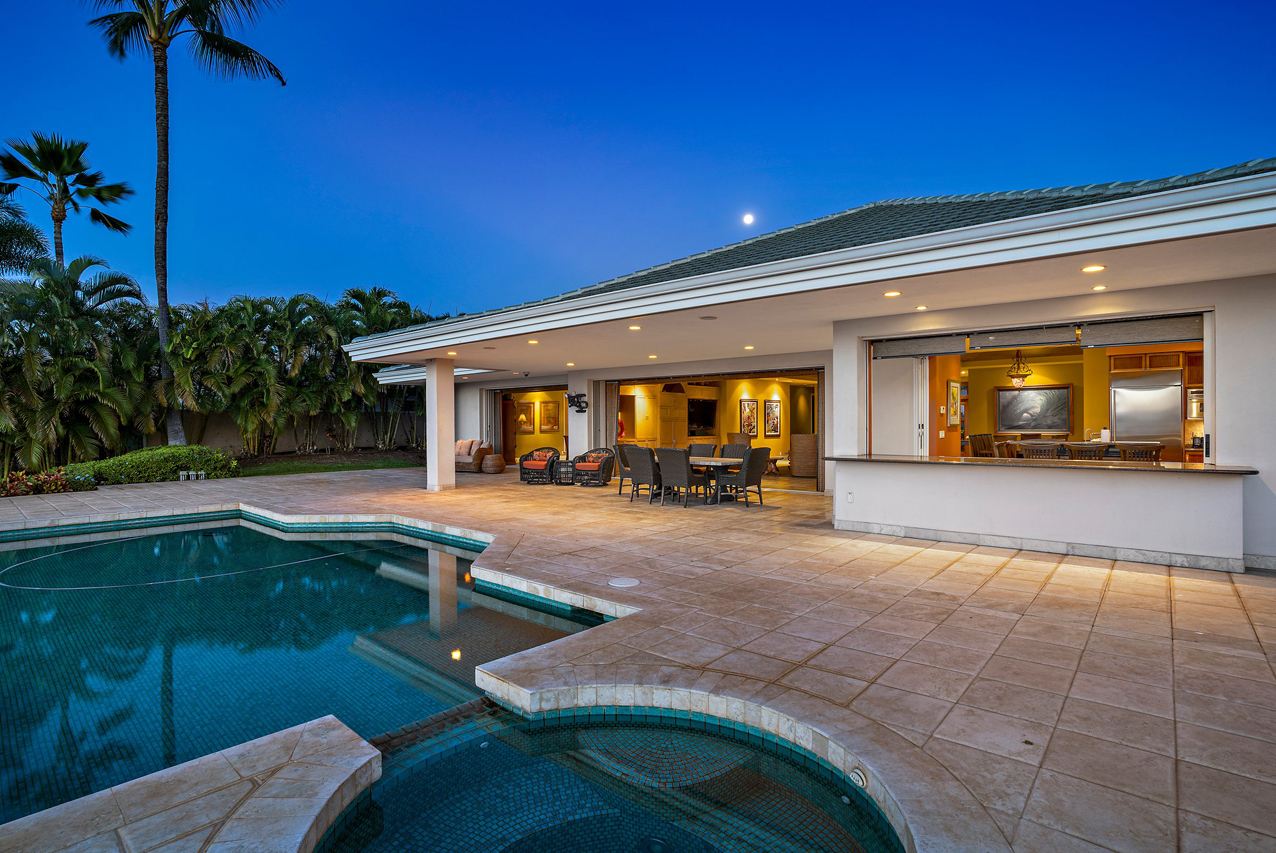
x: 623, y: 582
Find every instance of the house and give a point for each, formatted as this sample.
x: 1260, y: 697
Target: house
x: 885, y: 347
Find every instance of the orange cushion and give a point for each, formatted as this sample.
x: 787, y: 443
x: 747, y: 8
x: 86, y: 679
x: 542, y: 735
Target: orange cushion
x: 535, y: 466
x: 588, y: 466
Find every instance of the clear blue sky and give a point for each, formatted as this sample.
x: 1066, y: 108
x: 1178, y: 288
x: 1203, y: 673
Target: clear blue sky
x: 474, y: 155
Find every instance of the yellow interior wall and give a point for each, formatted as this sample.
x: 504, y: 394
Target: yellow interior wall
x: 1095, y: 392
x: 985, y: 376
x: 735, y: 390
x: 527, y: 442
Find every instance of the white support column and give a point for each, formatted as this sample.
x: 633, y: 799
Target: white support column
x: 440, y: 424
x: 580, y: 436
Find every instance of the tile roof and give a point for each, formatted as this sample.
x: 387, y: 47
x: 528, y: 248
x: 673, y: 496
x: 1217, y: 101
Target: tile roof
x: 893, y: 219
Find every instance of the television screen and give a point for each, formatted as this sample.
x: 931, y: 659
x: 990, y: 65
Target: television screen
x: 702, y: 415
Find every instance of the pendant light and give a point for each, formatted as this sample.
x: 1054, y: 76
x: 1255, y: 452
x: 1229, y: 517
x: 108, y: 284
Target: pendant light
x: 1019, y: 371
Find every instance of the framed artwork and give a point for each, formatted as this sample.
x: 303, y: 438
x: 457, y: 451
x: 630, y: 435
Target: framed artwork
x: 1045, y: 409
x: 549, y: 417
x: 954, y: 402
x: 749, y: 418
x: 771, y: 418
x: 526, y: 418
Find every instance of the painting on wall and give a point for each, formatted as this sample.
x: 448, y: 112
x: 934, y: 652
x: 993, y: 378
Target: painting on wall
x: 749, y: 418
x: 771, y: 418
x: 954, y: 402
x: 526, y: 418
x: 549, y: 417
x: 1040, y: 409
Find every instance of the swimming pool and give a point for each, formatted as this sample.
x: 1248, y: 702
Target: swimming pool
x: 121, y: 657
x: 619, y: 780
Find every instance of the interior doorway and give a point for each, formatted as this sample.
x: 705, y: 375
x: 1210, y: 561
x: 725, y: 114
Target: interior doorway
x: 531, y: 418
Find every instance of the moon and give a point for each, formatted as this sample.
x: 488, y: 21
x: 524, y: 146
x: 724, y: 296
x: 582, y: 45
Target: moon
x: 748, y: 219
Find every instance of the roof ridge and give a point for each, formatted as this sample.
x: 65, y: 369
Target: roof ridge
x: 1094, y: 192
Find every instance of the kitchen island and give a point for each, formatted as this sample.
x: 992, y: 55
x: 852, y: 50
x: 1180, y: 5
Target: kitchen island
x: 1170, y: 513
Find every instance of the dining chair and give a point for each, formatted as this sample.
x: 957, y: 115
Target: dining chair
x: 676, y: 475
x: 622, y: 466
x: 1140, y: 452
x: 749, y: 476
x: 1039, y: 449
x: 1085, y: 450
x: 981, y: 445
x: 643, y: 473
x: 701, y: 449
x: 734, y: 451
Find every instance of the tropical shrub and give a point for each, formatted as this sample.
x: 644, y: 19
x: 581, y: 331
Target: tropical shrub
x: 20, y: 483
x: 159, y: 464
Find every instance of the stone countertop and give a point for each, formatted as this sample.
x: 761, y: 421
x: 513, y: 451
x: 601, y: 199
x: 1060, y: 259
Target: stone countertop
x: 1070, y: 464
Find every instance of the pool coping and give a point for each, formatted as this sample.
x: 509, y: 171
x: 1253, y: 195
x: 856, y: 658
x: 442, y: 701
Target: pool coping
x: 275, y: 794
x: 929, y: 808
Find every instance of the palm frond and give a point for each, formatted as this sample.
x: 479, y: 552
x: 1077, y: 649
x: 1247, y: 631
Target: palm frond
x: 226, y: 57
x: 109, y: 222
x: 123, y: 32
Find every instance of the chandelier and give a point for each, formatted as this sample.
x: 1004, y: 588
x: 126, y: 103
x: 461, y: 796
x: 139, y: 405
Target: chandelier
x: 1019, y: 371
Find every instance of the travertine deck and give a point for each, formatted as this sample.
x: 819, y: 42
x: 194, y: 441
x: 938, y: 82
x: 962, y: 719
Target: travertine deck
x: 275, y: 794
x: 1083, y: 705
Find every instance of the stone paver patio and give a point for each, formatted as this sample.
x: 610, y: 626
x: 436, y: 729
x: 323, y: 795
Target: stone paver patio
x: 1000, y: 699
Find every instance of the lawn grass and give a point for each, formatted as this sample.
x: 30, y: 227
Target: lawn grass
x: 317, y: 466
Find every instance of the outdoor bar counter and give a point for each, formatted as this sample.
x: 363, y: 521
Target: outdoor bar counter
x: 1170, y: 513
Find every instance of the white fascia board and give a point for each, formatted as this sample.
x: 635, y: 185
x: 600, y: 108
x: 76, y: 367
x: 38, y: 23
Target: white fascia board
x: 1219, y: 207
x: 400, y: 375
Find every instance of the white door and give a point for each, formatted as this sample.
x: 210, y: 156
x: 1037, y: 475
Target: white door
x: 898, y: 426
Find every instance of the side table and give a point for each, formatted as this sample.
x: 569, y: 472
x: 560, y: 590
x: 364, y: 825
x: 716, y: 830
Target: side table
x: 564, y: 473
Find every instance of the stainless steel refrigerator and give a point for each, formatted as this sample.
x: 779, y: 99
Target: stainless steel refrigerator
x: 1148, y: 406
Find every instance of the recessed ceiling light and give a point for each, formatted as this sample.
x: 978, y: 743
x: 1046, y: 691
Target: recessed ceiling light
x: 571, y: 364
x: 748, y: 347
x: 921, y: 307
x: 533, y: 342
x: 708, y: 317
x: 892, y: 293
x: 1100, y: 287
x: 1094, y: 268
x: 516, y: 373
x: 634, y: 328
x: 451, y: 353
x: 651, y: 356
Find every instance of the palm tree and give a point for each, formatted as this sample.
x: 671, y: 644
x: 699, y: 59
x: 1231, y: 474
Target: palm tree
x: 154, y: 24
x: 62, y: 179
x: 21, y: 243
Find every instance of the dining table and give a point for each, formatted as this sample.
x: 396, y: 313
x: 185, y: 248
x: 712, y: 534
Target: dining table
x: 713, y: 465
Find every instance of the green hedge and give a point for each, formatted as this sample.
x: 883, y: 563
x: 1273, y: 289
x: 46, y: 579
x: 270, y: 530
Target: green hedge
x: 157, y: 464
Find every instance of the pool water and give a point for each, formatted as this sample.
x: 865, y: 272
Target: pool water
x: 501, y: 783
x: 121, y: 657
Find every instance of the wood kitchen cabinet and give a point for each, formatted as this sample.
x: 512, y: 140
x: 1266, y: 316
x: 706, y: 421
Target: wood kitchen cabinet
x: 1194, y: 368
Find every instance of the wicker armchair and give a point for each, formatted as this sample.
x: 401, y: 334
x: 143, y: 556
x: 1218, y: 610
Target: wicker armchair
x: 701, y: 449
x: 1140, y: 452
x: 739, y: 438
x: 734, y: 451
x: 622, y: 465
x: 748, y: 477
x: 676, y: 475
x: 643, y: 473
x: 593, y: 467
x: 1085, y: 450
x: 537, y: 466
